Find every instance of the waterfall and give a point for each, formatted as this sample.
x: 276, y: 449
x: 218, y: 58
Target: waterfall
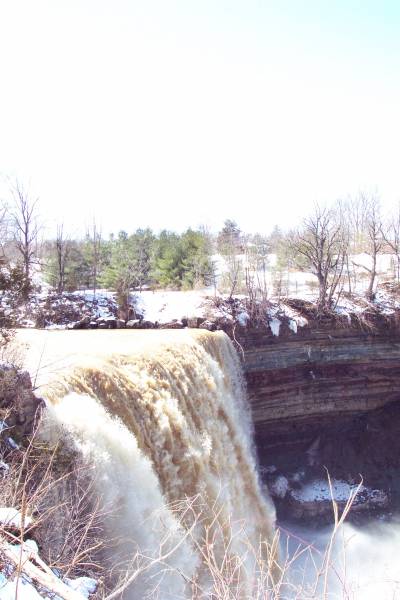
x: 162, y: 419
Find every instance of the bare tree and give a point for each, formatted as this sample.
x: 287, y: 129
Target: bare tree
x: 63, y: 249
x: 256, y: 263
x: 25, y: 226
x: 229, y: 244
x: 391, y: 236
x: 369, y: 206
x: 4, y: 234
x: 95, y: 243
x: 321, y: 246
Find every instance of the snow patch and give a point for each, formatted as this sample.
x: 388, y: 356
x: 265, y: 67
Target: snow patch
x: 26, y: 591
x: 164, y: 307
x: 279, y: 487
x: 275, y: 325
x: 13, y: 518
x: 319, y: 491
x: 82, y: 585
x: 242, y: 318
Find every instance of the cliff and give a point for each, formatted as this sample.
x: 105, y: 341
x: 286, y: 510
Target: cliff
x: 299, y: 382
x: 328, y: 395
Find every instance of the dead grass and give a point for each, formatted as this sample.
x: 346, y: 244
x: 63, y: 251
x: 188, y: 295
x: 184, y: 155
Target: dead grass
x: 56, y: 489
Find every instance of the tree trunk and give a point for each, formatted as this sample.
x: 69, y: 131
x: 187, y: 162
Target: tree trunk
x: 370, y: 290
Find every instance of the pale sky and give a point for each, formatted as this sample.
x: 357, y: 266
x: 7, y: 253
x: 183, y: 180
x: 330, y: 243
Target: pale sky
x: 170, y: 113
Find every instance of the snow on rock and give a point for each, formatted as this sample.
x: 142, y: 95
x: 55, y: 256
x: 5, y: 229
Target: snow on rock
x: 279, y: 487
x: 242, y: 318
x: 295, y: 319
x: 26, y: 591
x: 354, y: 305
x: 385, y: 302
x: 275, y: 325
x: 340, y: 310
x: 12, y: 517
x: 313, y: 500
x: 52, y: 310
x: 285, y: 312
x: 12, y: 443
x: 319, y: 491
x: 31, y: 546
x: 27, y: 588
x: 83, y: 585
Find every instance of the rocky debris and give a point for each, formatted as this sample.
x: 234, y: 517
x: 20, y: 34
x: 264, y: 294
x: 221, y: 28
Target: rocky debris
x: 283, y: 318
x: 300, y: 497
x: 81, y: 324
x: 174, y: 324
x: 194, y: 322
x: 133, y: 324
x: 314, y: 499
x: 279, y: 487
x: 107, y: 323
x: 75, y: 310
x: 141, y: 324
x: 209, y: 325
x: 305, y: 494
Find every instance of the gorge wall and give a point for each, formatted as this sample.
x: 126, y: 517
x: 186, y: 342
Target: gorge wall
x: 328, y: 395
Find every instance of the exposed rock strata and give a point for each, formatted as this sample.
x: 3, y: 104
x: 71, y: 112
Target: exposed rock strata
x: 297, y: 384
x: 327, y: 397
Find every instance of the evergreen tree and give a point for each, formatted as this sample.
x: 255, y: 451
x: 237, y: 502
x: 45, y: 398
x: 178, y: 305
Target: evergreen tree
x: 196, y: 252
x: 229, y: 240
x: 182, y: 261
x: 128, y: 264
x: 168, y: 266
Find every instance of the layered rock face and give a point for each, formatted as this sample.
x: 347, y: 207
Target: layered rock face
x: 301, y: 382
x: 326, y: 396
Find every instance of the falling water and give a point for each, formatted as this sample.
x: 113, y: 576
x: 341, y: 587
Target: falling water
x: 162, y: 418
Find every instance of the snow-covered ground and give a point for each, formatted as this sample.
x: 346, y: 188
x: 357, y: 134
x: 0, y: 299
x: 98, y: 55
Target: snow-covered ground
x: 301, y: 284
x: 83, y: 308
x: 165, y: 306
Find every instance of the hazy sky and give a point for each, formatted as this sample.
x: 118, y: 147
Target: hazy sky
x: 172, y: 113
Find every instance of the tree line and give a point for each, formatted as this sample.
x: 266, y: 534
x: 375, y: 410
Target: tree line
x: 326, y: 244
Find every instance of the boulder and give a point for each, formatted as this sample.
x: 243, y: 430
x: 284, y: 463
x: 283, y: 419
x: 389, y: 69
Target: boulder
x: 314, y: 499
x: 279, y: 487
x: 194, y: 322
x: 82, y: 323
x: 148, y: 325
x: 108, y: 322
x: 133, y: 324
x: 140, y: 324
x: 174, y: 324
x: 209, y: 325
